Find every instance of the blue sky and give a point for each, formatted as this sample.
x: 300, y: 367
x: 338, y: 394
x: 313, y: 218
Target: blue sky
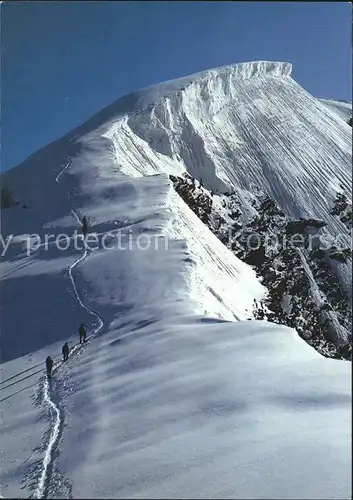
x: 64, y: 61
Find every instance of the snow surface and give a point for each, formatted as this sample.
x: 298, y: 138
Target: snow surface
x: 221, y: 128
x: 176, y: 394
x: 341, y: 108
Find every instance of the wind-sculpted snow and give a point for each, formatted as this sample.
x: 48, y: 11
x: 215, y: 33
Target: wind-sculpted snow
x: 341, y: 108
x: 262, y: 134
x: 183, y: 408
x: 235, y: 72
x: 176, y: 397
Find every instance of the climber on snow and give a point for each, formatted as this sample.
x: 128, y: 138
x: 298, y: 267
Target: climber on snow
x: 49, y: 365
x: 65, y: 351
x: 84, y: 226
x: 82, y: 332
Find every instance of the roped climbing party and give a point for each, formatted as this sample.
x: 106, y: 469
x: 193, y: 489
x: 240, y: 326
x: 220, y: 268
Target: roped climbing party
x: 65, y: 350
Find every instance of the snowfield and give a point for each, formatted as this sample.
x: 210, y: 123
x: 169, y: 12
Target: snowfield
x: 177, y: 394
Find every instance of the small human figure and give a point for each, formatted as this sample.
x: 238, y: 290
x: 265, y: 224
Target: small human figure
x: 65, y: 351
x: 82, y: 332
x: 49, y: 365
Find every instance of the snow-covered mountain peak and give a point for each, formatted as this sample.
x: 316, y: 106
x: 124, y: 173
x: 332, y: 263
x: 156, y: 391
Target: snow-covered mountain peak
x: 211, y: 79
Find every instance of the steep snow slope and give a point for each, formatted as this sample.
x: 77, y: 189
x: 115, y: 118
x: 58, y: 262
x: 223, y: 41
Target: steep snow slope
x: 221, y: 127
x: 170, y: 399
